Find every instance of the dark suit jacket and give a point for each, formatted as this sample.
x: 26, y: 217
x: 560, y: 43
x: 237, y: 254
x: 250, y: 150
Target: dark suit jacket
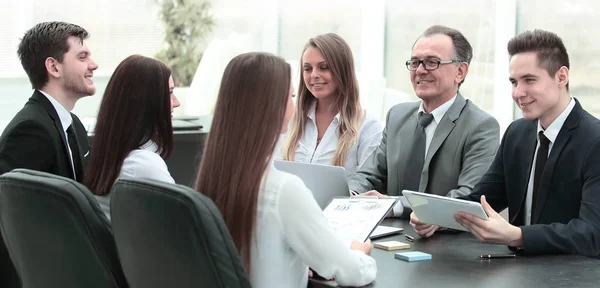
x: 462, y: 149
x: 567, y: 213
x: 34, y: 139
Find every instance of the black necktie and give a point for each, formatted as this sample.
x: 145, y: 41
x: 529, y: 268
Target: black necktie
x: 416, y: 159
x: 540, y: 162
x: 74, y: 145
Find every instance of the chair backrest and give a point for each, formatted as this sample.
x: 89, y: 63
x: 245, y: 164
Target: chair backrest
x: 169, y: 235
x: 55, y: 232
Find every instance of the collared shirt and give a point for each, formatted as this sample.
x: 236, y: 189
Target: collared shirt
x: 438, y: 113
x: 292, y: 234
x: 144, y: 162
x: 65, y: 120
x: 369, y: 138
x: 551, y: 133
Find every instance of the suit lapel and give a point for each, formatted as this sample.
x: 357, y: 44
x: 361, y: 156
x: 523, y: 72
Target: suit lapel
x: 442, y: 131
x: 525, y: 162
x: 42, y: 100
x: 561, y: 140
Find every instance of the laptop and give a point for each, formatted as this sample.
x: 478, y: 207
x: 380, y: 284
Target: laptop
x: 324, y: 181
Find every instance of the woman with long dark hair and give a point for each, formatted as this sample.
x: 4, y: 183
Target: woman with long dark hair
x: 276, y: 224
x: 133, y: 134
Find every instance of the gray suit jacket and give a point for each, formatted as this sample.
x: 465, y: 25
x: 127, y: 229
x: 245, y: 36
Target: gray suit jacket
x: 462, y: 149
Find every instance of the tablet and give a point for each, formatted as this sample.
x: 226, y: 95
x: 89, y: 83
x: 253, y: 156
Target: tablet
x: 440, y: 210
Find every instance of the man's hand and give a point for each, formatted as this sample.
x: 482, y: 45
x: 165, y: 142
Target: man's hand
x: 374, y: 193
x: 424, y: 230
x: 494, y: 230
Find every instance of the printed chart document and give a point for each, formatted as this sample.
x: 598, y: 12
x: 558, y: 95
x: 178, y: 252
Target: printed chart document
x: 356, y: 217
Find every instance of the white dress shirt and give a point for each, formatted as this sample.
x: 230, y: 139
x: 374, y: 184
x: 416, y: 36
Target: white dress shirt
x: 369, y: 138
x: 144, y: 162
x: 65, y: 120
x: 292, y: 234
x: 438, y: 113
x: 551, y: 133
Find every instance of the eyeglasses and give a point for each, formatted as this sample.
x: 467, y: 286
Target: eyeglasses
x: 428, y: 64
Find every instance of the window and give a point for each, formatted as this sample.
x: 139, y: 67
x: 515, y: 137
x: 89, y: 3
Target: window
x: 576, y: 22
x: 405, y: 22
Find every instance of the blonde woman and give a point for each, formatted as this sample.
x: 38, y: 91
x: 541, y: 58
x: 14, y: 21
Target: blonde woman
x: 329, y: 124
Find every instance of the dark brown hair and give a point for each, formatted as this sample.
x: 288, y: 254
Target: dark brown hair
x: 246, y: 126
x: 339, y: 58
x: 47, y: 39
x: 550, y: 50
x: 136, y: 108
x: 462, y: 49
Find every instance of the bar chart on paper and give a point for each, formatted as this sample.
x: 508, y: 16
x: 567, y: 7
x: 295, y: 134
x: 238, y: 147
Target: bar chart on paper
x: 355, y: 219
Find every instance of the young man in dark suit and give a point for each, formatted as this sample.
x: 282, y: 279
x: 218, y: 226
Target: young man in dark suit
x: 547, y: 169
x: 44, y: 135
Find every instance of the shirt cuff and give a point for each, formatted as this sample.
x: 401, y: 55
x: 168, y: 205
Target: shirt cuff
x: 398, y: 208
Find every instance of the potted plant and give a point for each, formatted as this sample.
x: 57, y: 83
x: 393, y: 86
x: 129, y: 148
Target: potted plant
x: 187, y: 24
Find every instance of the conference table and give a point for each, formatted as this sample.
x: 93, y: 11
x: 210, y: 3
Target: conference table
x: 455, y: 263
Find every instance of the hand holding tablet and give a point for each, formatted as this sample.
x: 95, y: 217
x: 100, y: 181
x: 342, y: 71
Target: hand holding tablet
x: 440, y: 210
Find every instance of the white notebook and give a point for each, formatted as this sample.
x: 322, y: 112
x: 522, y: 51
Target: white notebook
x: 355, y: 218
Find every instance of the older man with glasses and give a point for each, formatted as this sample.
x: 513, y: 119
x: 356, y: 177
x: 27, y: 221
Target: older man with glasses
x: 442, y: 144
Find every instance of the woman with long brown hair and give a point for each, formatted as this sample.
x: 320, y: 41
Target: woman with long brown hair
x: 133, y: 134
x: 329, y: 125
x: 276, y: 224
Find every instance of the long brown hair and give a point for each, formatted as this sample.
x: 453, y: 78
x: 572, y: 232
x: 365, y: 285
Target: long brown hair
x: 247, y: 122
x: 339, y: 57
x: 135, y: 109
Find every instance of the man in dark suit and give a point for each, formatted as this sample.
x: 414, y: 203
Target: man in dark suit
x: 449, y: 154
x: 44, y: 135
x: 547, y: 169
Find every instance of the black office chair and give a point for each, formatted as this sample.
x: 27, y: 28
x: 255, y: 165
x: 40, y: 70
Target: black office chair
x: 172, y: 236
x: 8, y: 275
x: 55, y: 232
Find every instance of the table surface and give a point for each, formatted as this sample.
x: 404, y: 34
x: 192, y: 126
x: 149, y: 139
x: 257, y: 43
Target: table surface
x: 454, y: 264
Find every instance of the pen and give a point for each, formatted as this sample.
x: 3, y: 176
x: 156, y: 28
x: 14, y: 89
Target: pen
x: 496, y: 256
x: 411, y: 238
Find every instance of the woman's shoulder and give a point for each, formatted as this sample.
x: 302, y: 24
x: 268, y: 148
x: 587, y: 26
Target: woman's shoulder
x: 143, y: 156
x: 371, y: 124
x: 147, y: 164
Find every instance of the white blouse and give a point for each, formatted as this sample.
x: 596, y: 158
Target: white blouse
x: 292, y: 234
x: 144, y: 162
x: 369, y: 138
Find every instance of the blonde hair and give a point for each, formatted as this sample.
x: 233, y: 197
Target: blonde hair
x: 338, y: 55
